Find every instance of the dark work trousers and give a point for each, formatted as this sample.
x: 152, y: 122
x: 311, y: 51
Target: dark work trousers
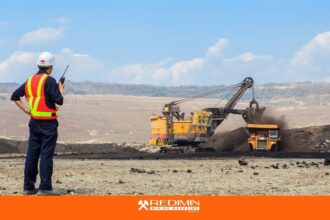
x: 42, y: 142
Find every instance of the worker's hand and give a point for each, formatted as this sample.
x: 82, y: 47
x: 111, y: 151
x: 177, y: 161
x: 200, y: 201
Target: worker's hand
x: 61, y: 87
x: 20, y: 104
x: 27, y: 111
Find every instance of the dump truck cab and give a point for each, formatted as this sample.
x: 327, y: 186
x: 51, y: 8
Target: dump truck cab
x: 263, y: 137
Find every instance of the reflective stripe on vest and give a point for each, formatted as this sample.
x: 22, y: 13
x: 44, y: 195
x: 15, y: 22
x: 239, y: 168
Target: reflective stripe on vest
x: 36, y: 94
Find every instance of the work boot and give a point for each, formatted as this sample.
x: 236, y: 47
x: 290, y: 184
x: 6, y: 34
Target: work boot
x: 48, y: 193
x: 30, y: 192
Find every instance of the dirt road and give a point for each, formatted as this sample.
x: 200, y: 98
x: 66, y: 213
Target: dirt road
x: 262, y: 176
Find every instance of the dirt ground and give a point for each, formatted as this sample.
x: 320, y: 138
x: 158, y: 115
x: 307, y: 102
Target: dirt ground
x: 262, y: 176
x: 109, y: 124
x: 118, y: 119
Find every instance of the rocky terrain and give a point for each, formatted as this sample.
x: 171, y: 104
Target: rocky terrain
x: 228, y: 176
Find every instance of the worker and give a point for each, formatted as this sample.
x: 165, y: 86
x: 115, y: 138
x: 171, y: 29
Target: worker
x: 43, y: 95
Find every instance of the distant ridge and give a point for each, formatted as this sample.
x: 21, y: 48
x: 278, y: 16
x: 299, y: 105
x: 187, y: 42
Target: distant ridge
x: 267, y: 91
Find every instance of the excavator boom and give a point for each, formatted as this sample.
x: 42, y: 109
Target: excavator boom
x: 220, y: 114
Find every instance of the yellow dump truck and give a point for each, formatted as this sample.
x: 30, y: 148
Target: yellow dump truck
x: 264, y: 137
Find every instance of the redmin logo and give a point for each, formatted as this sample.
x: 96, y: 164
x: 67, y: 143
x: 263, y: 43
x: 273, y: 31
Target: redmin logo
x: 169, y: 205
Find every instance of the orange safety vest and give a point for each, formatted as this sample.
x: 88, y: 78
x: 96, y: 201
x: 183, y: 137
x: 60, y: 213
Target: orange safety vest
x: 35, y: 95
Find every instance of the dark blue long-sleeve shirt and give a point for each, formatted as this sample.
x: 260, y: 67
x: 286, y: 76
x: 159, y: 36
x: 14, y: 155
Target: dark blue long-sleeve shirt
x: 52, y: 93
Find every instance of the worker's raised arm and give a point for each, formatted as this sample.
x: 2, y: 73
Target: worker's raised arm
x: 61, y: 87
x: 56, y: 91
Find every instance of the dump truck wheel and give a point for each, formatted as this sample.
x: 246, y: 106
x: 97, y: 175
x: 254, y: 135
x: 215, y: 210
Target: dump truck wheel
x: 163, y: 150
x: 274, y: 148
x: 250, y: 147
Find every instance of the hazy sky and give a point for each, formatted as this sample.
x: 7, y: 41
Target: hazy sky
x: 168, y: 42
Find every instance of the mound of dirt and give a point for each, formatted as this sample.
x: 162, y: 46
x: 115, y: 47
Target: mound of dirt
x: 94, y: 148
x: 4, y: 148
x: 310, y: 139
x: 11, y: 146
x: 236, y: 140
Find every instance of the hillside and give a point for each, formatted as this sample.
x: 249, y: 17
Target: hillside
x: 312, y: 92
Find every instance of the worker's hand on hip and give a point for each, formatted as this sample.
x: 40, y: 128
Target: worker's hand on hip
x: 27, y: 111
x: 61, y: 87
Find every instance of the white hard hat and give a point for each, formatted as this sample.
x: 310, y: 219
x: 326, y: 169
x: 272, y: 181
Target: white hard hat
x: 46, y: 59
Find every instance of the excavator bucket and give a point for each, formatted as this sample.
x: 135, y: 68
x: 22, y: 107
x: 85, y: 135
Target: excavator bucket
x: 254, y: 113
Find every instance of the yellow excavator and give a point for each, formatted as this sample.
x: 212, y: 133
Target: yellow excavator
x: 173, y: 131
